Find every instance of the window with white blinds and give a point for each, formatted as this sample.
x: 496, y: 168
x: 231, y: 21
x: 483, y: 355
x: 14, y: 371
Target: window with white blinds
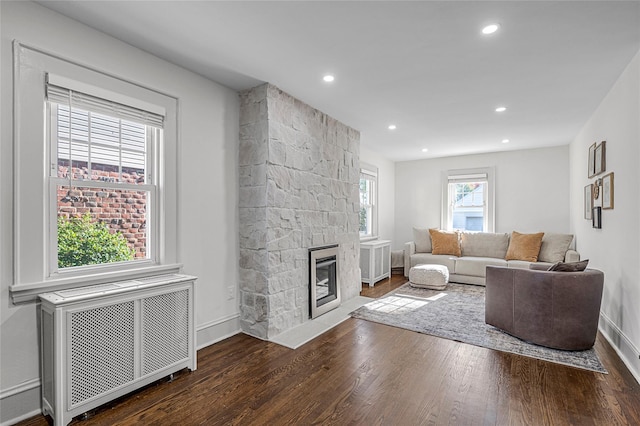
x: 468, y: 200
x: 95, y: 176
x: 103, y: 178
x: 368, y: 201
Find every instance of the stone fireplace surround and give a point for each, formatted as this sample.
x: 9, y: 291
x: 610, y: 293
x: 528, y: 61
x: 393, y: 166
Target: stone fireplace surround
x: 299, y: 175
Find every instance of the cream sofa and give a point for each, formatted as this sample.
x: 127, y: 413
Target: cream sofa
x: 482, y: 249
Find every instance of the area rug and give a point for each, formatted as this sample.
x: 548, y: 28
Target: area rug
x: 457, y: 313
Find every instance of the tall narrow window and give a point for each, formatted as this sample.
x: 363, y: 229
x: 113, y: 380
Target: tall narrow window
x: 102, y: 179
x: 368, y: 202
x: 469, y: 201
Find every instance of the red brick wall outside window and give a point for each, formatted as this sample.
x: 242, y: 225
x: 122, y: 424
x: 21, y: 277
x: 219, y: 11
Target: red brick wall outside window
x: 123, y: 211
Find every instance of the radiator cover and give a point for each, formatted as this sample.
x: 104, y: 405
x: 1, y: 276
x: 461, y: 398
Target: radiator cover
x: 101, y: 342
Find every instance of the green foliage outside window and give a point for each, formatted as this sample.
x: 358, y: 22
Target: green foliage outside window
x: 363, y: 220
x: 82, y: 242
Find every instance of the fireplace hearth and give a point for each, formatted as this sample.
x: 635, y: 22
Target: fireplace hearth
x: 324, y: 289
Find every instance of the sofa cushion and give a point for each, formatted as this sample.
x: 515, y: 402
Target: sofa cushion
x: 554, y: 247
x: 443, y: 242
x: 524, y: 246
x: 484, y: 244
x: 476, y: 266
x: 569, y: 267
x: 433, y: 259
x: 422, y: 239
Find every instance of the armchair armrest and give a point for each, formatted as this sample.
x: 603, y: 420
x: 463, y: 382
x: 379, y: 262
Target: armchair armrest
x: 409, y: 249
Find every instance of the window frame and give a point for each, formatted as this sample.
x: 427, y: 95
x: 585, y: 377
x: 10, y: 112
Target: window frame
x: 370, y: 172
x: 471, y: 175
x: 31, y: 186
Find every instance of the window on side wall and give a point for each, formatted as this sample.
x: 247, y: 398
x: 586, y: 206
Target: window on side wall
x: 368, y: 201
x: 468, y: 200
x: 95, y: 178
x: 102, y: 180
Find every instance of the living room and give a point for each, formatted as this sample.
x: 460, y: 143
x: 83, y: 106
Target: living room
x: 536, y: 189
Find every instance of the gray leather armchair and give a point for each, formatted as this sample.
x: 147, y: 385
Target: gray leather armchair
x: 555, y: 309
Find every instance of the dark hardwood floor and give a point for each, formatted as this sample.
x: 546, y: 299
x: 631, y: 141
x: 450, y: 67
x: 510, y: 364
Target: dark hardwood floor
x: 363, y: 373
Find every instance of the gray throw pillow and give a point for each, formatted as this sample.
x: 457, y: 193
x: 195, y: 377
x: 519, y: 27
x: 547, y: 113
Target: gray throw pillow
x: 554, y: 247
x: 569, y: 267
x: 422, y: 239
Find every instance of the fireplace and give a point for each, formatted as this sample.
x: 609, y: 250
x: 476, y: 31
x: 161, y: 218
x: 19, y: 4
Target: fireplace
x: 324, y: 289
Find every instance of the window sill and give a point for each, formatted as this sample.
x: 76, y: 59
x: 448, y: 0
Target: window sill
x: 27, y: 293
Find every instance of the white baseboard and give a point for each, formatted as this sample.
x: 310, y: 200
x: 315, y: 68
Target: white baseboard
x: 20, y: 402
x: 626, y: 350
x: 215, y: 331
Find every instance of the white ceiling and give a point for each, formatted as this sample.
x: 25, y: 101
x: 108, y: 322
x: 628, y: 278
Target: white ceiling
x: 424, y: 66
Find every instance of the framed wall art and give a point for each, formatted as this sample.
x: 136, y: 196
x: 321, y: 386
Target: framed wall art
x: 607, y: 191
x: 596, y: 218
x: 588, y: 201
x: 600, y: 157
x: 596, y: 191
x: 591, y: 162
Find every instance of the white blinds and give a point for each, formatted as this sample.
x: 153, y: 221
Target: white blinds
x: 476, y: 177
x: 368, y: 172
x: 88, y: 102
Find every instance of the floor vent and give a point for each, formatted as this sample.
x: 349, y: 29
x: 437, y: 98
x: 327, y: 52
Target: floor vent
x: 102, y: 342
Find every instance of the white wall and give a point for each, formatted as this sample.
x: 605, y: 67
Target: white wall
x: 531, y: 190
x: 207, y: 163
x: 386, y: 189
x: 614, y: 249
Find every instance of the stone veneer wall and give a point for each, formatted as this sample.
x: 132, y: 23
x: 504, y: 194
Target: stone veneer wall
x: 299, y: 175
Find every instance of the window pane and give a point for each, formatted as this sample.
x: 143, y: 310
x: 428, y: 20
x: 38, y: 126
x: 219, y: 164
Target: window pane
x: 101, y: 148
x: 468, y: 206
x: 98, y: 225
x: 366, y: 207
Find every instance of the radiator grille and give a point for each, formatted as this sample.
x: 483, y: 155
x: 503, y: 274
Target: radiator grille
x: 165, y: 321
x: 102, y: 350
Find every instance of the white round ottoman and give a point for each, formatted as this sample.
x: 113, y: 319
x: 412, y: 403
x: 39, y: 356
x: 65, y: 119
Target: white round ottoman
x: 434, y: 277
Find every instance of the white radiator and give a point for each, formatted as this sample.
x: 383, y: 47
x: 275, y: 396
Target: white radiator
x: 101, y: 342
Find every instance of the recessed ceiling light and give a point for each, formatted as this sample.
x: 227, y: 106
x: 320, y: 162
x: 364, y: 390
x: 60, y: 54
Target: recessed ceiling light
x: 425, y: 149
x: 505, y: 140
x: 392, y: 126
x: 490, y: 29
x: 328, y: 78
x: 501, y: 109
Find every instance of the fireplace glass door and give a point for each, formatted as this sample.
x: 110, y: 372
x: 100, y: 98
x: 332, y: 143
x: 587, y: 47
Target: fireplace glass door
x: 323, y: 279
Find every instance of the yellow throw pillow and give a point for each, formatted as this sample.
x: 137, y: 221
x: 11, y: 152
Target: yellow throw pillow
x: 444, y: 242
x: 524, y: 246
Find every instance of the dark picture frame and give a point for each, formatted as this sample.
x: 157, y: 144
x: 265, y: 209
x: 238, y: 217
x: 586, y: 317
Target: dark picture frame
x: 600, y: 165
x: 588, y: 201
x: 591, y: 162
x: 607, y: 191
x: 596, y: 218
